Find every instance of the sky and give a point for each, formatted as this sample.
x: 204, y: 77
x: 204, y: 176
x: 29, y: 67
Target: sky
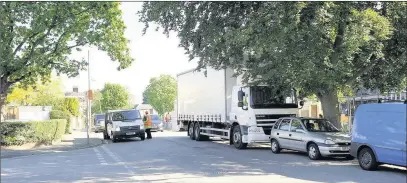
x: 154, y: 54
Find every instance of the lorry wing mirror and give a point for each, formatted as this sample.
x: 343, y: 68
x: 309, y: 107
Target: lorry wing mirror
x: 301, y: 103
x: 240, y: 104
x: 240, y: 95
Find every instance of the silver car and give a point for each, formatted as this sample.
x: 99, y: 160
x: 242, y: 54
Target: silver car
x: 318, y: 137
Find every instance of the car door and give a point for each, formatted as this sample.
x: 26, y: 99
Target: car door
x: 296, y: 135
x: 282, y: 134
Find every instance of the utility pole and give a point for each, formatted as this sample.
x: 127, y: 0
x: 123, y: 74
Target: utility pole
x: 89, y: 102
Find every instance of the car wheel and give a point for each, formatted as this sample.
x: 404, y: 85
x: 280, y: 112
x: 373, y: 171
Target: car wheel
x: 191, y: 131
x: 275, y: 147
x: 237, y: 138
x: 313, y: 152
x: 367, y: 159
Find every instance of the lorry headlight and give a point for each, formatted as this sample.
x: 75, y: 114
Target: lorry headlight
x: 329, y: 142
x: 117, y: 129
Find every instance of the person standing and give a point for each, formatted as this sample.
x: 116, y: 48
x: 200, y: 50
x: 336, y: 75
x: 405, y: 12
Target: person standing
x: 147, y: 125
x: 166, y: 121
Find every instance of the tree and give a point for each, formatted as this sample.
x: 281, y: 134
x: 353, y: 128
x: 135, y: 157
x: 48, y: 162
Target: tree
x: 322, y: 48
x: 71, y: 105
x: 38, y: 38
x: 96, y: 103
x: 114, y: 96
x: 161, y: 93
x: 145, y: 99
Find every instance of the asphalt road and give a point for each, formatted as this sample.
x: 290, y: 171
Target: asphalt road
x: 173, y: 157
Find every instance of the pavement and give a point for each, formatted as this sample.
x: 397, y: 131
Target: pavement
x: 172, y: 157
x: 76, y: 140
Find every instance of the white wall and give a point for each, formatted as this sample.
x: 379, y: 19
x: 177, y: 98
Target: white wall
x: 33, y: 113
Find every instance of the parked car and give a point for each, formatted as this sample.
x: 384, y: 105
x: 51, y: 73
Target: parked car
x: 157, y: 123
x: 99, y: 122
x: 379, y: 135
x: 120, y: 124
x: 318, y: 137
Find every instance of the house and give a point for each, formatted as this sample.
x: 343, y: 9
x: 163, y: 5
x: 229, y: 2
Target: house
x: 27, y: 113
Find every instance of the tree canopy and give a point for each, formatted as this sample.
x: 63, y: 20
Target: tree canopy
x: 114, y: 96
x: 322, y: 48
x: 38, y: 37
x: 161, y: 93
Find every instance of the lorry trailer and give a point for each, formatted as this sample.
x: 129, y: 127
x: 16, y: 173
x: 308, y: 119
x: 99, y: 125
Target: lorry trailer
x: 221, y: 105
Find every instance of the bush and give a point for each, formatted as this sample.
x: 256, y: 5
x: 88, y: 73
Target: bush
x: 57, y: 114
x: 19, y: 133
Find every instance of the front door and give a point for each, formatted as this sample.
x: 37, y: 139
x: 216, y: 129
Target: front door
x: 296, y: 136
x: 283, y: 132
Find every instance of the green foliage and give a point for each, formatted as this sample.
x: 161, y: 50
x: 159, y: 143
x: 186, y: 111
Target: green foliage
x: 322, y: 48
x: 58, y: 114
x: 114, y: 96
x: 161, y: 93
x: 72, y: 106
x: 96, y: 103
x: 19, y: 133
x: 38, y: 38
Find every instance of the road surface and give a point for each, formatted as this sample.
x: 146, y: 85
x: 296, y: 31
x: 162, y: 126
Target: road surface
x: 173, y: 157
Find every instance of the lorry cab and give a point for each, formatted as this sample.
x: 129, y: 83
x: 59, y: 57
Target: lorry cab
x: 121, y: 124
x: 257, y: 109
x: 379, y: 135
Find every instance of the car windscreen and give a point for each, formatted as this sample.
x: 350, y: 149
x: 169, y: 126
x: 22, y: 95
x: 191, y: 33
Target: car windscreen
x: 319, y: 125
x: 124, y: 116
x: 155, y: 117
x: 99, y: 117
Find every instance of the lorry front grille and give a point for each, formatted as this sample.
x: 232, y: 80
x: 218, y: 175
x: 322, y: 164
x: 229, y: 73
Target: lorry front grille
x: 270, y: 119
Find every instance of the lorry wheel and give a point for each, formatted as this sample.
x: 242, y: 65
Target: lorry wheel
x: 197, y: 133
x: 237, y: 138
x: 367, y: 159
x: 191, y: 131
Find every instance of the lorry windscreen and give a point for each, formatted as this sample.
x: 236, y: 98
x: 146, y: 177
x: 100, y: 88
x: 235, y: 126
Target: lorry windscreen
x: 124, y: 116
x: 263, y: 97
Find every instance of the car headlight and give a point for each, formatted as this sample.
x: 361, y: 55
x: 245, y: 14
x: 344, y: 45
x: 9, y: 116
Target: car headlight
x: 117, y: 129
x: 329, y: 142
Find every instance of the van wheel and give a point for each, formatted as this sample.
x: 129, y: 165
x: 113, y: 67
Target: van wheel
x: 143, y: 136
x: 237, y: 138
x: 367, y: 159
x: 105, y: 136
x: 191, y: 131
x: 313, y: 152
x: 275, y: 147
x: 114, y: 140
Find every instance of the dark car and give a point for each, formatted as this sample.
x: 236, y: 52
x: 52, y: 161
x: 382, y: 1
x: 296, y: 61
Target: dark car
x: 99, y: 122
x: 157, y: 123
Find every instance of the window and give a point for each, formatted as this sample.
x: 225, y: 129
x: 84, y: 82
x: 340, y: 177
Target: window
x: 276, y: 124
x: 296, y: 124
x: 130, y: 115
x: 285, y: 124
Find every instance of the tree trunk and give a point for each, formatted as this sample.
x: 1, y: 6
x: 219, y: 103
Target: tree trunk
x: 330, y: 106
x: 4, y: 86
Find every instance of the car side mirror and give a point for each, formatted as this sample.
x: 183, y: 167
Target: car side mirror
x: 240, y: 95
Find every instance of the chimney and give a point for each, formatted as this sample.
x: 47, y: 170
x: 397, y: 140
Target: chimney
x: 75, y: 89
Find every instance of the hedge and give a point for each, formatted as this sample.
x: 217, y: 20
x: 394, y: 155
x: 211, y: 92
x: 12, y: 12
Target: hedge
x: 43, y: 132
x: 57, y: 114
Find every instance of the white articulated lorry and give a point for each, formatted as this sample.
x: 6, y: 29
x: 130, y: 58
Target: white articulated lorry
x: 220, y: 105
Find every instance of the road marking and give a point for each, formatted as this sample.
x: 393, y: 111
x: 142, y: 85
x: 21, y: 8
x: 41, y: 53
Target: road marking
x: 99, y: 156
x: 117, y: 159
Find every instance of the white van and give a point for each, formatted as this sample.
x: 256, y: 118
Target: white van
x: 122, y: 124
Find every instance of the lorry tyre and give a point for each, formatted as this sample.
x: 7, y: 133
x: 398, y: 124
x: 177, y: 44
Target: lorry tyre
x: 197, y: 133
x: 191, y: 131
x: 237, y: 138
x: 367, y: 159
x: 275, y: 147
